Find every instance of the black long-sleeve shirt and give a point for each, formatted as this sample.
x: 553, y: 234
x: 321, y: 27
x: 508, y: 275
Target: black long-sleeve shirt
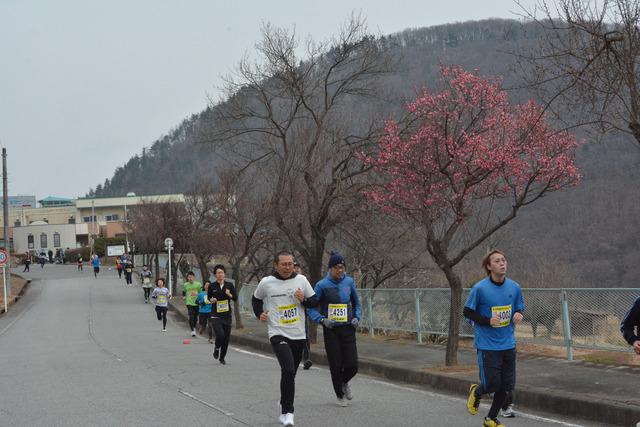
x: 630, y: 325
x: 219, y: 293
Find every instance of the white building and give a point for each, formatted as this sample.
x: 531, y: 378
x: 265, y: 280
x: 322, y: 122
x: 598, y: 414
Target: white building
x: 42, y: 237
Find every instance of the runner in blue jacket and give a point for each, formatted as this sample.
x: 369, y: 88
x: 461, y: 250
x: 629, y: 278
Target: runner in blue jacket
x: 339, y: 312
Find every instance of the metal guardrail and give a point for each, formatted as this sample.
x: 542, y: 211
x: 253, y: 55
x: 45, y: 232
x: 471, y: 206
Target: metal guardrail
x: 571, y: 317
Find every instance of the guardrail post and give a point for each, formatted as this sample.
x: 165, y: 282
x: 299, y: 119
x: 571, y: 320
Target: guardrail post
x: 418, y: 293
x: 566, y: 322
x: 370, y: 308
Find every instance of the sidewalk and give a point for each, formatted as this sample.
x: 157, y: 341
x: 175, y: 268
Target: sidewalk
x: 607, y: 394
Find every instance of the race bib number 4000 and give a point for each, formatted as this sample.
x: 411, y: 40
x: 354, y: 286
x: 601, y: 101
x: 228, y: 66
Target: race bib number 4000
x: 222, y: 306
x: 337, y: 312
x: 504, y: 314
x: 288, y: 314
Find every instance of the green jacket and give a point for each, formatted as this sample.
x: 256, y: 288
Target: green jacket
x: 191, y: 291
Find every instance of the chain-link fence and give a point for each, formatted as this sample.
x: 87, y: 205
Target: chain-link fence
x: 587, y: 318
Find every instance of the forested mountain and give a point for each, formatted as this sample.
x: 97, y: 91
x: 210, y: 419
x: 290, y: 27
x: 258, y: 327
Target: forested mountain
x: 584, y: 237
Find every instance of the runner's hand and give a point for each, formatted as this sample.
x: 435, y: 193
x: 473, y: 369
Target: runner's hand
x: 327, y: 323
x: 495, y: 321
x: 264, y: 316
x: 636, y: 347
x: 517, y: 318
x: 354, y: 322
x: 299, y: 295
x: 228, y: 292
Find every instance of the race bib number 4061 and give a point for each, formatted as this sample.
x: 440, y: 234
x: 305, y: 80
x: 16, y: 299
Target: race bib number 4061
x: 288, y: 314
x: 337, y: 312
x: 504, y: 314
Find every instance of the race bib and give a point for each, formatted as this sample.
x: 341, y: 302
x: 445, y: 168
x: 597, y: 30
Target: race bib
x: 504, y: 314
x: 193, y: 293
x: 129, y: 270
x: 337, y: 312
x: 146, y: 280
x: 162, y: 299
x: 222, y: 306
x: 288, y: 314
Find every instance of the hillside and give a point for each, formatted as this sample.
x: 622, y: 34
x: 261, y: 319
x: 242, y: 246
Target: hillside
x: 584, y: 237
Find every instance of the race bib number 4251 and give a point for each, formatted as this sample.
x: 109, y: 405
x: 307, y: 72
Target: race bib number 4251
x: 504, y: 314
x: 288, y: 314
x: 337, y: 312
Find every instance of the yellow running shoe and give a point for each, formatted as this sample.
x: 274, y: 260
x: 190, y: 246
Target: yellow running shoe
x: 488, y: 422
x: 474, y: 401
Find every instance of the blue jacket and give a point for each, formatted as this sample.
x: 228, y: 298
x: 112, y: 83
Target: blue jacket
x: 329, y: 291
x: 630, y: 321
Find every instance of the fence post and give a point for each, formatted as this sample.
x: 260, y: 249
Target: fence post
x: 241, y: 299
x: 370, y: 308
x: 418, y: 293
x: 566, y: 323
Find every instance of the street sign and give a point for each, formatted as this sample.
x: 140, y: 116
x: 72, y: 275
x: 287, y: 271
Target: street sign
x: 3, y: 257
x: 115, y: 250
x: 168, y: 242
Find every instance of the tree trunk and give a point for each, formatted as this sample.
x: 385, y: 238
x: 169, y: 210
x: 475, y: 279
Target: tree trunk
x: 451, y: 358
x: 235, y: 275
x: 156, y: 261
x: 314, y: 275
x: 204, y: 270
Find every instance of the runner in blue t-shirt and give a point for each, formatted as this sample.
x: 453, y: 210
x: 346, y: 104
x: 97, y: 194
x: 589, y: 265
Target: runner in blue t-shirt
x: 495, y: 307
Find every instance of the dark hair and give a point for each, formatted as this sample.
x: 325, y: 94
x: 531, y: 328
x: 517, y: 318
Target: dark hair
x: 159, y: 279
x: 487, y: 260
x: 281, y: 253
x: 191, y: 273
x: 219, y: 267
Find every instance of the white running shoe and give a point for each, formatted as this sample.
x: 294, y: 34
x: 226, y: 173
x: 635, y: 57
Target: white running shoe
x: 164, y: 329
x: 346, y: 389
x: 508, y: 413
x: 287, y: 420
x: 342, y: 402
x: 193, y: 332
x: 282, y: 418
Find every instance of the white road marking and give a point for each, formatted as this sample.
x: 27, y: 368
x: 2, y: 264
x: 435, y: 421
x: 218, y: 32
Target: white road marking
x: 433, y: 394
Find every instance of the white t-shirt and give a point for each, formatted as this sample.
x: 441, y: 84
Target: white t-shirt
x: 286, y: 313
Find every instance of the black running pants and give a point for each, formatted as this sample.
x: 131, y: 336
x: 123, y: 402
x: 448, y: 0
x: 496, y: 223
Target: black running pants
x: 161, y: 312
x: 342, y: 354
x: 193, y: 316
x: 289, y: 353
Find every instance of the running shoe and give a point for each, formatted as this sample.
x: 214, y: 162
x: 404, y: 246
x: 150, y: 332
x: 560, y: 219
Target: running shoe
x: 193, y: 332
x: 223, y: 362
x: 216, y: 353
x: 282, y: 418
x: 307, y: 365
x: 346, y: 389
x: 164, y: 329
x: 508, y: 412
x: 342, y: 402
x: 287, y: 420
x: 474, y: 401
x: 488, y: 422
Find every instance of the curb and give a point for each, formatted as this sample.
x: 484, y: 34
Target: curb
x: 533, y: 398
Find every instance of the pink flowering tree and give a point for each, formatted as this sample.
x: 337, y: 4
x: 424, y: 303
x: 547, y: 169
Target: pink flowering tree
x: 464, y: 166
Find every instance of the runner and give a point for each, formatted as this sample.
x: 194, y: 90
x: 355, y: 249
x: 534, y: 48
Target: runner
x: 161, y: 296
x: 307, y: 363
x: 128, y: 271
x: 119, y: 267
x: 279, y: 300
x: 190, y: 290
x: 79, y: 263
x: 495, y: 307
x: 95, y: 262
x: 220, y: 294
x: 204, y: 311
x: 339, y: 313
x: 27, y: 263
x: 145, y: 278
x: 629, y: 324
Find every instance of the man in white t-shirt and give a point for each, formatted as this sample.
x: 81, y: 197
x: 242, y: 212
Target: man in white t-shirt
x: 279, y: 300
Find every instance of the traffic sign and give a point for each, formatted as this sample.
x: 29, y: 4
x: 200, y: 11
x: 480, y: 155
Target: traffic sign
x: 168, y: 242
x: 3, y: 257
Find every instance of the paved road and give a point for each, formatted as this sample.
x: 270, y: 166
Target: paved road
x: 80, y: 351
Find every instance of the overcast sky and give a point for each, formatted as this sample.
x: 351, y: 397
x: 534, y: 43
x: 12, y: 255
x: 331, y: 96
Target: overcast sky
x: 84, y: 85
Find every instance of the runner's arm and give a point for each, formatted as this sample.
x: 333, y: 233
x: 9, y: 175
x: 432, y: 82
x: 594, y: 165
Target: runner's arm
x: 258, y: 306
x: 476, y: 317
x: 355, y: 302
x: 631, y: 320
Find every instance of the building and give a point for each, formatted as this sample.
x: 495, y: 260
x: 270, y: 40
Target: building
x: 41, y: 228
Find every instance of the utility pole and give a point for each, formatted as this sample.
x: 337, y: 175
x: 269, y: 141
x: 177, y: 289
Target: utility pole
x: 5, y: 202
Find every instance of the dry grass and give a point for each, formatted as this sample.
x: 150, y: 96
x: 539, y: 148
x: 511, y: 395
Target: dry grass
x: 17, y: 283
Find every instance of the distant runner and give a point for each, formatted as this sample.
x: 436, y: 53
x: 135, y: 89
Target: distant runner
x: 119, y: 267
x: 145, y: 279
x: 190, y: 290
x: 79, y: 263
x: 161, y: 296
x: 204, y: 312
x: 95, y: 262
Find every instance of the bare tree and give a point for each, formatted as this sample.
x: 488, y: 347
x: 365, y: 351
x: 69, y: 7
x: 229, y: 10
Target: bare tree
x: 585, y: 66
x: 299, y: 122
